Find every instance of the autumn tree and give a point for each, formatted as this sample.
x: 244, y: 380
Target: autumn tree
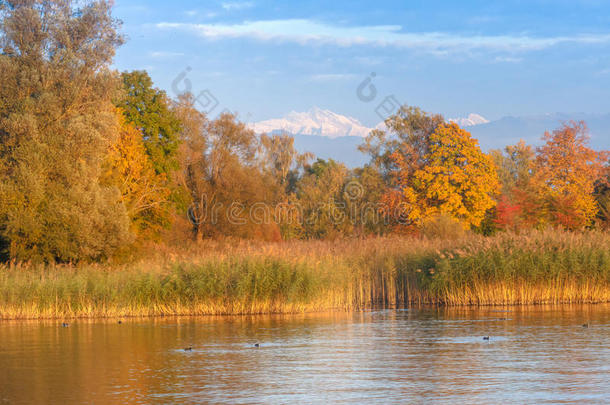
x: 455, y: 178
x: 279, y: 156
x: 229, y: 191
x: 143, y: 191
x: 407, y: 134
x: 405, y: 140
x: 517, y: 205
x: 565, y: 173
x: 193, y: 175
x: 57, y: 123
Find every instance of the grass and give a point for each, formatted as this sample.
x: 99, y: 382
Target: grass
x: 237, y: 277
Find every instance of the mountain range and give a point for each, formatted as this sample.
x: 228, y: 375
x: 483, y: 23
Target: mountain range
x: 331, y: 135
x: 317, y: 122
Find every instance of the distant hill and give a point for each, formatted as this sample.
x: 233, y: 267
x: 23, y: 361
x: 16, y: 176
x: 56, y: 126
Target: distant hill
x: 342, y: 149
x: 331, y: 135
x: 509, y: 130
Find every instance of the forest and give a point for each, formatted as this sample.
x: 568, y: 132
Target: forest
x: 99, y: 168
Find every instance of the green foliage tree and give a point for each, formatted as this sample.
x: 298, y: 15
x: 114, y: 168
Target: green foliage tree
x: 321, y: 200
x: 363, y: 195
x: 514, y: 165
x: 57, y: 122
x: 149, y: 109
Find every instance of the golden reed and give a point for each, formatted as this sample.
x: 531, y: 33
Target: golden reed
x: 239, y: 277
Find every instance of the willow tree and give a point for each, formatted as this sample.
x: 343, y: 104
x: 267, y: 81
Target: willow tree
x: 57, y: 122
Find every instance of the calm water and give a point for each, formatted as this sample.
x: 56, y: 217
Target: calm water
x: 534, y: 355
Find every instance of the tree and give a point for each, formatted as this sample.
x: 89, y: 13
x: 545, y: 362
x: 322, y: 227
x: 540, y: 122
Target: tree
x: 363, y: 194
x: 514, y: 165
x: 229, y: 192
x: 192, y: 157
x: 320, y: 197
x: 144, y: 192
x: 517, y: 207
x: 279, y: 156
x: 407, y: 134
x: 565, y: 173
x: 149, y: 109
x: 455, y: 179
x: 602, y: 196
x: 57, y: 122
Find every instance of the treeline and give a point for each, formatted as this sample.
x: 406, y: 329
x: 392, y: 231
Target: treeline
x: 94, y: 162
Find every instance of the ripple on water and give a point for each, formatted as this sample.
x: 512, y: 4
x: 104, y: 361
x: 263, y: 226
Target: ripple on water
x: 535, y: 355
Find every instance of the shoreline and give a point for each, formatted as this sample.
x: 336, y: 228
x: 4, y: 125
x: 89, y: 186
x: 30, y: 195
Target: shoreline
x: 510, y: 308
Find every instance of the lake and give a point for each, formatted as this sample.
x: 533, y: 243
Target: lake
x: 535, y: 354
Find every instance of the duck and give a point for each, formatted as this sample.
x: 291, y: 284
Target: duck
x: 485, y: 337
x: 65, y: 324
x: 120, y: 322
x: 586, y: 325
x: 188, y: 349
x: 257, y: 345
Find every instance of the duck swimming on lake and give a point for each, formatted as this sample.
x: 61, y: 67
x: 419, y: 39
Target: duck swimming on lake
x: 188, y: 349
x: 65, y: 324
x: 257, y: 345
x: 485, y: 337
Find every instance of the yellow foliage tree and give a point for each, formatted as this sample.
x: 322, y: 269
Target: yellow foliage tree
x: 457, y: 179
x: 144, y: 192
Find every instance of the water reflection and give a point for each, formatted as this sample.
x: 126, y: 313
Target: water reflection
x: 535, y: 354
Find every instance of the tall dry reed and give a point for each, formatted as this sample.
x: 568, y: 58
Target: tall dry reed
x: 239, y: 277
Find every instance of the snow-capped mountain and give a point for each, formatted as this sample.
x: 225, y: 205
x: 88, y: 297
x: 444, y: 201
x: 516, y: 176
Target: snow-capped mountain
x: 470, y: 121
x: 314, y: 122
x: 333, y: 136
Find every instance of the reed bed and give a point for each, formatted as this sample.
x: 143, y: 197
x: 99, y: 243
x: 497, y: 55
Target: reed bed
x: 238, y: 277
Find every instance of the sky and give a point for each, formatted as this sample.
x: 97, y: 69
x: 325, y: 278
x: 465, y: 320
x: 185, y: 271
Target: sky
x: 262, y: 59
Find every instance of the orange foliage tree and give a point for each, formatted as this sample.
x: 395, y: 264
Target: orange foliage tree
x: 565, y: 173
x: 144, y: 192
x: 456, y: 179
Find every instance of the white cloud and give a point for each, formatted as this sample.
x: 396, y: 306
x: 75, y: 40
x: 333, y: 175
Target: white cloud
x: 304, y: 31
x: 507, y: 59
x: 165, y: 55
x: 332, y: 77
x: 234, y: 5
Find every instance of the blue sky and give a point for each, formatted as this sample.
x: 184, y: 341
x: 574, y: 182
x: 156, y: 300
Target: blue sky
x: 263, y: 59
